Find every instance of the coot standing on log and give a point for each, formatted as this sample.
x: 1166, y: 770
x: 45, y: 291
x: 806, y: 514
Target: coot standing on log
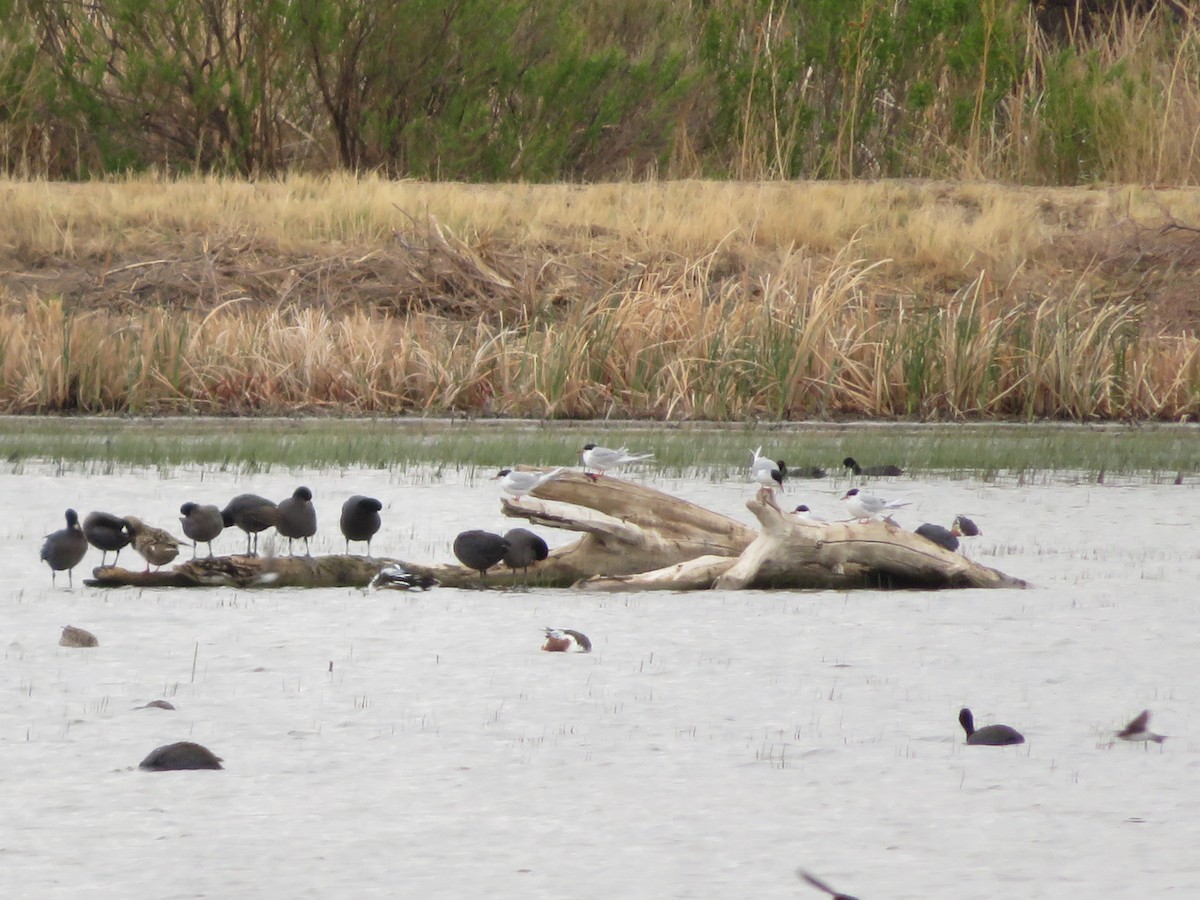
x: 201, y: 523
x: 65, y: 548
x: 943, y: 537
x: 480, y: 550
x: 524, y: 549
x: 107, y: 532
x: 988, y: 735
x: 252, y: 514
x: 360, y: 520
x: 297, y: 518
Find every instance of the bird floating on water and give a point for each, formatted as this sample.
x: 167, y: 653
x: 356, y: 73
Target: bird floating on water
x: 560, y: 640
x: 855, y: 468
x: 988, y: 735
x: 180, y: 756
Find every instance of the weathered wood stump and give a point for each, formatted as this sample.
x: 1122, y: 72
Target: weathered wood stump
x: 795, y: 553
x: 625, y: 527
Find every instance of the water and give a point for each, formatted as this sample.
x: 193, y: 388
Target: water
x: 383, y: 744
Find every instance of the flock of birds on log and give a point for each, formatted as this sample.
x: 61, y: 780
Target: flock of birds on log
x: 294, y: 518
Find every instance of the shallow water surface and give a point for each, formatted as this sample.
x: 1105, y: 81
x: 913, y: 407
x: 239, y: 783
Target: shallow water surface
x: 387, y: 744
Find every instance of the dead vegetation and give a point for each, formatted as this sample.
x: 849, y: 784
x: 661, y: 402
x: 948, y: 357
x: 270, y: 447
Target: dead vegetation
x: 676, y: 300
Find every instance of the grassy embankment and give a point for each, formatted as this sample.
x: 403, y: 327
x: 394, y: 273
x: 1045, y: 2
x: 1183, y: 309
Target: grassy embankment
x: 668, y: 301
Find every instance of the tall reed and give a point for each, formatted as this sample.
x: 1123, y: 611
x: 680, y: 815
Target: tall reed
x: 812, y: 338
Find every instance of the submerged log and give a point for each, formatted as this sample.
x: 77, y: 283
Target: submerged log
x: 249, y: 572
x: 795, y: 553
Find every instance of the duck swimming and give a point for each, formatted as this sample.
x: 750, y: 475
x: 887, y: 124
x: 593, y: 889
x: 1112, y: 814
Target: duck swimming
x: 988, y: 735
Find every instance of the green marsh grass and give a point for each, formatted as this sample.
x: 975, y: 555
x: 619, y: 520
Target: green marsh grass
x: 704, y: 451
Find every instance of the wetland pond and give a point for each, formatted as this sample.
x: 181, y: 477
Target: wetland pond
x: 391, y: 744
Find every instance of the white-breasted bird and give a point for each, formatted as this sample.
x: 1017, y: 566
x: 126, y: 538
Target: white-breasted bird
x: 806, y: 515
x: 964, y: 527
x: 604, y: 458
x: 767, y: 472
x: 519, y: 483
x: 560, y: 640
x: 868, y: 506
x: 1139, y: 730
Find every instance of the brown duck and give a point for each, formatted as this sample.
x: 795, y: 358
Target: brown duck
x: 157, y: 546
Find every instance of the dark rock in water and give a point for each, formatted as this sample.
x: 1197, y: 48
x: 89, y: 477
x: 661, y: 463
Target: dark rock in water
x: 182, y: 755
x: 157, y: 704
x: 77, y: 637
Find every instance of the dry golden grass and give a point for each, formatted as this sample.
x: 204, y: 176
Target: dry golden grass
x: 670, y: 300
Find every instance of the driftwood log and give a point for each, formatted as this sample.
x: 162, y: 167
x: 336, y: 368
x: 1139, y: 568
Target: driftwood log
x: 635, y: 538
x: 793, y: 553
x: 249, y: 572
x: 625, y: 528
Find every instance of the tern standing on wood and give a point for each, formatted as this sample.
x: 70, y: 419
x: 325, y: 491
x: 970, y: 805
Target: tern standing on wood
x: 603, y: 458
